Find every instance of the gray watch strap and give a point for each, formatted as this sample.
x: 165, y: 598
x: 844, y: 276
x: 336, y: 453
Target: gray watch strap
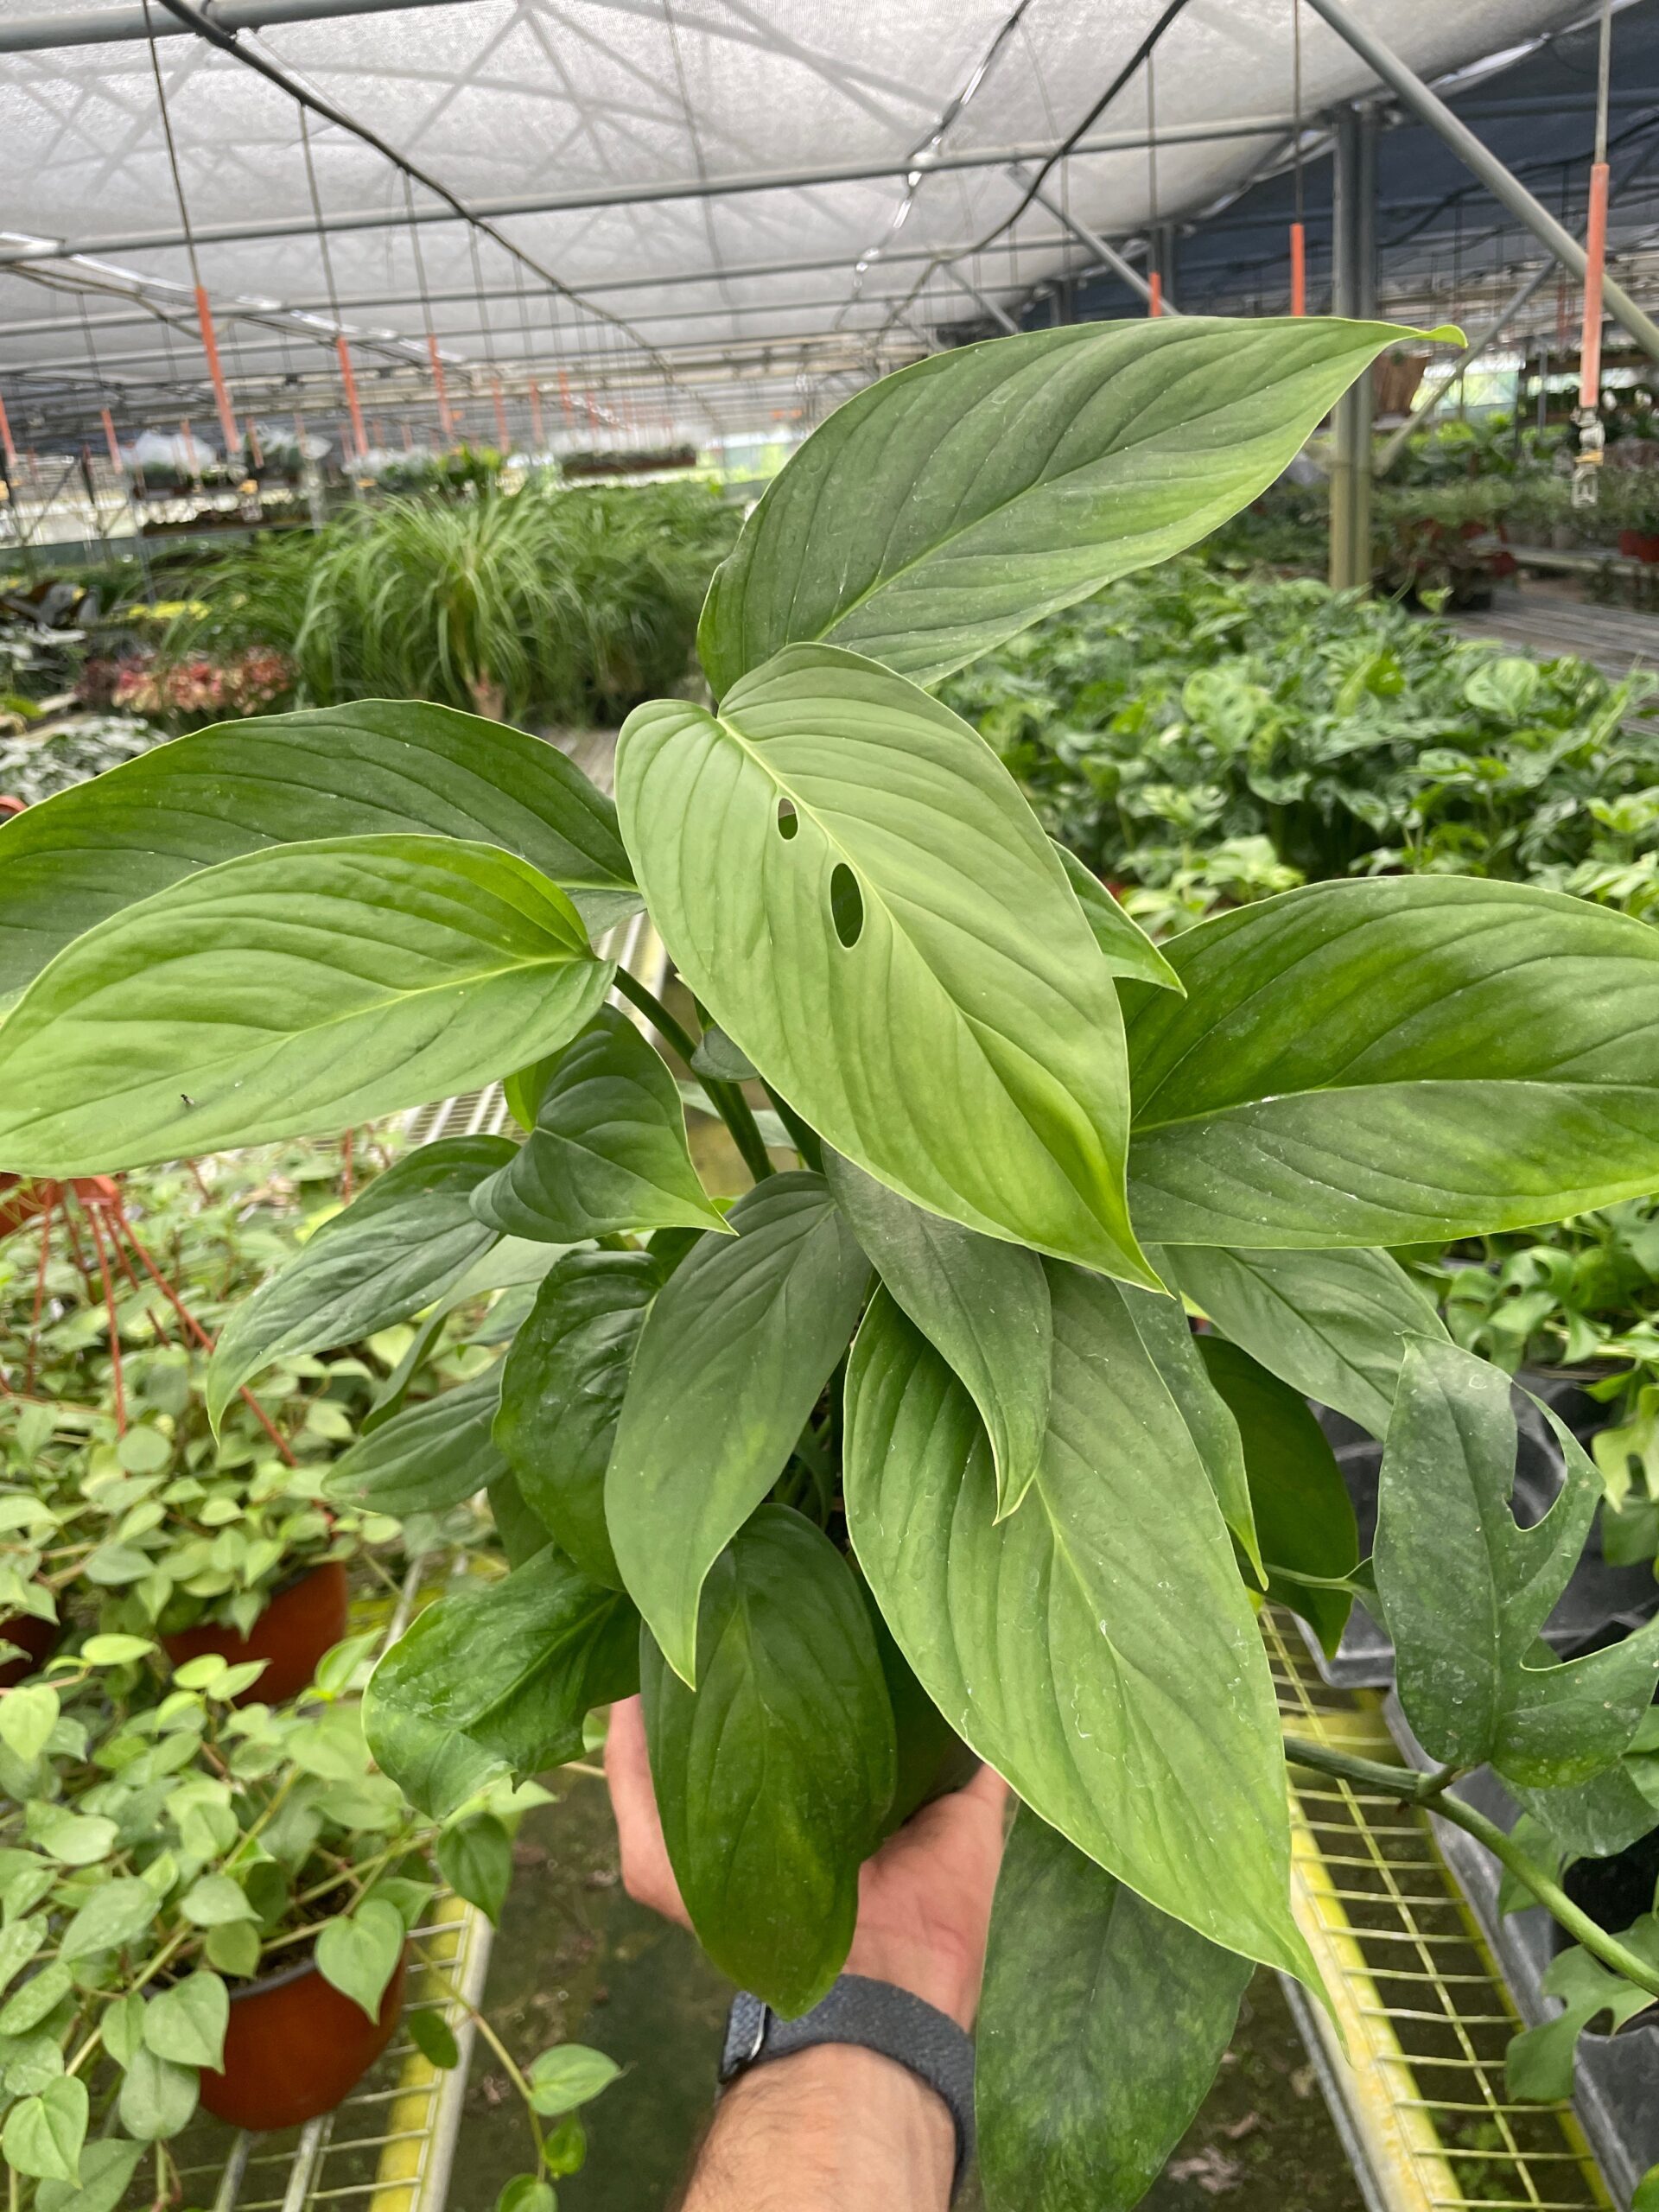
x: 877, y: 2017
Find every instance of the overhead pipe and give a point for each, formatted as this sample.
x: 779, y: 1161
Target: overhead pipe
x: 1100, y: 248
x: 1502, y: 182
x: 110, y: 26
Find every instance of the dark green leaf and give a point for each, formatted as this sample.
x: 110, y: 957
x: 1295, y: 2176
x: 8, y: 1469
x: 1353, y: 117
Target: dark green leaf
x: 1101, y: 2029
x: 1395, y: 1061
x: 302, y: 988
x: 410, y: 1234
x: 498, y: 1678
x: 1539, y: 2062
x: 735, y: 1351
x: 562, y: 1386
x: 608, y: 1151
x: 428, y: 1457
x: 955, y: 504
x: 1333, y: 1325
x: 1304, y: 1517
x: 434, y: 2038
x: 475, y: 1858
x: 1097, y: 1646
x: 1465, y: 1591
x: 718, y: 1059
x: 963, y: 1043
x: 524, y: 2193
x: 521, y: 1534
x: 374, y: 767
x: 772, y: 1776
x: 981, y: 1303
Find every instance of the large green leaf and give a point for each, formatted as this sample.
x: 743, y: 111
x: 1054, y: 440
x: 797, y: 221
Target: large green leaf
x: 772, y: 1776
x: 426, y: 1458
x: 955, y: 504
x: 982, y: 1303
x: 1097, y: 1647
x: 608, y: 1151
x: 1304, y: 1517
x: 410, y: 1234
x: 1393, y: 1062
x: 1101, y: 2029
x: 371, y: 767
x: 301, y: 987
x: 497, y: 1677
x: 1129, y: 949
x: 1334, y: 1326
x: 1164, y: 1329
x: 850, y: 881
x: 562, y: 1388
x: 1465, y: 1591
x: 734, y: 1351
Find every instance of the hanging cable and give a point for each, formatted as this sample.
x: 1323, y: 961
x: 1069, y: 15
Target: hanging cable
x: 1154, y: 258
x: 1592, y: 437
x: 445, y: 439
x: 1298, y: 229
x: 204, y: 314
x: 342, y: 351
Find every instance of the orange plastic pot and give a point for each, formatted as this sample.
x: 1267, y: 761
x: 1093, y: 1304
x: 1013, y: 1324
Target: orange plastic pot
x: 29, y: 1634
x: 295, y: 2047
x: 302, y: 1621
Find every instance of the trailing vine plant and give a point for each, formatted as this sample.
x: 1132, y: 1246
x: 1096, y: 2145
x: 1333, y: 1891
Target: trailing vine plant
x: 914, y: 1447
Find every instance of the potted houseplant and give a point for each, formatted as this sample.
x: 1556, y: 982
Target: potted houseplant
x: 212, y: 1901
x: 946, y: 1343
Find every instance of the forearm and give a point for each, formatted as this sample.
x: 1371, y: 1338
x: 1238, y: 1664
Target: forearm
x: 834, y: 2129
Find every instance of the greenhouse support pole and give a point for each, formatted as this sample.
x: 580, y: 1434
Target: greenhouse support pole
x: 1504, y: 186
x: 1096, y: 244
x: 1482, y: 340
x: 1354, y: 284
x: 990, y: 307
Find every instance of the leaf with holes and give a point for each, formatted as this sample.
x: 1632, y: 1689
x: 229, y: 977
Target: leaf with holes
x: 608, y: 1151
x: 734, y: 1351
x: 953, y: 505
x: 1395, y: 1061
x: 562, y: 1383
x: 850, y: 880
x: 1101, y: 2029
x: 302, y: 988
x: 1465, y: 1590
x: 369, y: 767
x: 400, y: 1245
x: 1335, y: 1325
x: 1097, y: 1647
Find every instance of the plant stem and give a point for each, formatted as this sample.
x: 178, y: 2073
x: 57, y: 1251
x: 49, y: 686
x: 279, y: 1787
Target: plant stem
x: 807, y: 1141
x: 1428, y: 1790
x: 727, y: 1098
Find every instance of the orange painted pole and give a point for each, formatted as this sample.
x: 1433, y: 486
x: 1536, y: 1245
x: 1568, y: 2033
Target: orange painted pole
x: 350, y: 381
x: 564, y: 398
x: 5, y: 443
x: 1298, y: 269
x: 536, y: 414
x: 444, y: 431
x: 501, y: 437
x: 110, y: 439
x: 1155, y: 293
x: 221, y: 396
x: 1595, y: 254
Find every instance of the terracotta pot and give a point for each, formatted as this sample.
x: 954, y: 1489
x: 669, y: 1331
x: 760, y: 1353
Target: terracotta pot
x: 32, y: 1635
x: 304, y: 1618
x: 295, y: 2047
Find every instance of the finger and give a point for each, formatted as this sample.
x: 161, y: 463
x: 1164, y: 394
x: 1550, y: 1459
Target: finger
x: 647, y: 1875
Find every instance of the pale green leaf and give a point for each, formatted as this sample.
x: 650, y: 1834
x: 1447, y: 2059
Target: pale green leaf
x: 608, y: 1151
x: 1408, y: 1060
x: 158, y: 2097
x: 734, y: 1351
x: 28, y: 1714
x: 400, y: 1245
x: 774, y: 1775
x: 44, y: 2133
x: 953, y: 505
x: 360, y: 1955
x: 185, y: 2022
x: 1165, y: 1332
x: 1097, y: 1647
x: 115, y: 1914
x: 1101, y: 2028
x: 981, y: 1303
x: 475, y: 1858
x: 1129, y: 949
x: 850, y: 880
x: 302, y: 988
x: 19, y: 1942
x: 106, y: 2168
x: 568, y: 2076
x: 371, y: 766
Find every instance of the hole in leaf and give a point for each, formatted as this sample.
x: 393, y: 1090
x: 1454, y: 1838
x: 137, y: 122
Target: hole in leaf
x: 787, y: 824
x: 846, y: 904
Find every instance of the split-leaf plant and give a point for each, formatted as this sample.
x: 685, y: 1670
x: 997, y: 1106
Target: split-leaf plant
x: 913, y: 1446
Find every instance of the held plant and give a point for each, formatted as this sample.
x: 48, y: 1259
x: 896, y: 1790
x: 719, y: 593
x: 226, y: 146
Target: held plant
x: 913, y: 1446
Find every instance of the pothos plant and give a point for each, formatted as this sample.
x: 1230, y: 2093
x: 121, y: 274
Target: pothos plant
x: 914, y: 1447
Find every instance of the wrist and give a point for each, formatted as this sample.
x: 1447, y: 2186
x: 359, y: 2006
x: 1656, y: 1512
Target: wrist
x: 824, y: 2129
x: 936, y: 1972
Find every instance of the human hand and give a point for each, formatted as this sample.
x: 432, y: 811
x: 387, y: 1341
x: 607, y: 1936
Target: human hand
x: 923, y: 1899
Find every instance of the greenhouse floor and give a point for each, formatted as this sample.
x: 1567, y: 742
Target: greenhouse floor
x: 1550, y: 614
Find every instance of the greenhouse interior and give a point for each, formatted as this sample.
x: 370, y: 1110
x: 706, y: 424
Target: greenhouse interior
x: 829, y: 1106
